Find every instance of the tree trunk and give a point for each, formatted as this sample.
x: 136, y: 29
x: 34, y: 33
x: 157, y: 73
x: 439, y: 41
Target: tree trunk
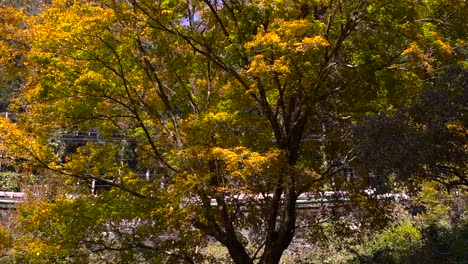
x: 283, y: 229
x: 237, y: 252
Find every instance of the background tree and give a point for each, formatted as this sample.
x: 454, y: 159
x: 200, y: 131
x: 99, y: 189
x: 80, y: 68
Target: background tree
x: 425, y: 140
x: 427, y: 137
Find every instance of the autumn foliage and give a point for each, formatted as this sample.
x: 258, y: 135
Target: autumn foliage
x: 206, y: 120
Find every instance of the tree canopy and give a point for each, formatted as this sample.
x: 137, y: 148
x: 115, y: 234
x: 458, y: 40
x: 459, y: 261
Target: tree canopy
x: 210, y: 118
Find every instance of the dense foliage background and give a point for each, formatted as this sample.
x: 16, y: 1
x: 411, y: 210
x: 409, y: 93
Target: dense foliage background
x: 190, y: 131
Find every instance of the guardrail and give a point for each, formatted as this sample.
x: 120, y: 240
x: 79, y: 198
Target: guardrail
x: 310, y: 200
x: 13, y: 195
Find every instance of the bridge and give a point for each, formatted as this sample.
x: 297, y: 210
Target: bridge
x: 9, y: 200
x: 306, y: 201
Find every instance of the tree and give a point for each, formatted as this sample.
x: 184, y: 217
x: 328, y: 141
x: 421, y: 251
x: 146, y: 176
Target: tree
x: 12, y: 49
x: 425, y: 140
x: 235, y: 107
